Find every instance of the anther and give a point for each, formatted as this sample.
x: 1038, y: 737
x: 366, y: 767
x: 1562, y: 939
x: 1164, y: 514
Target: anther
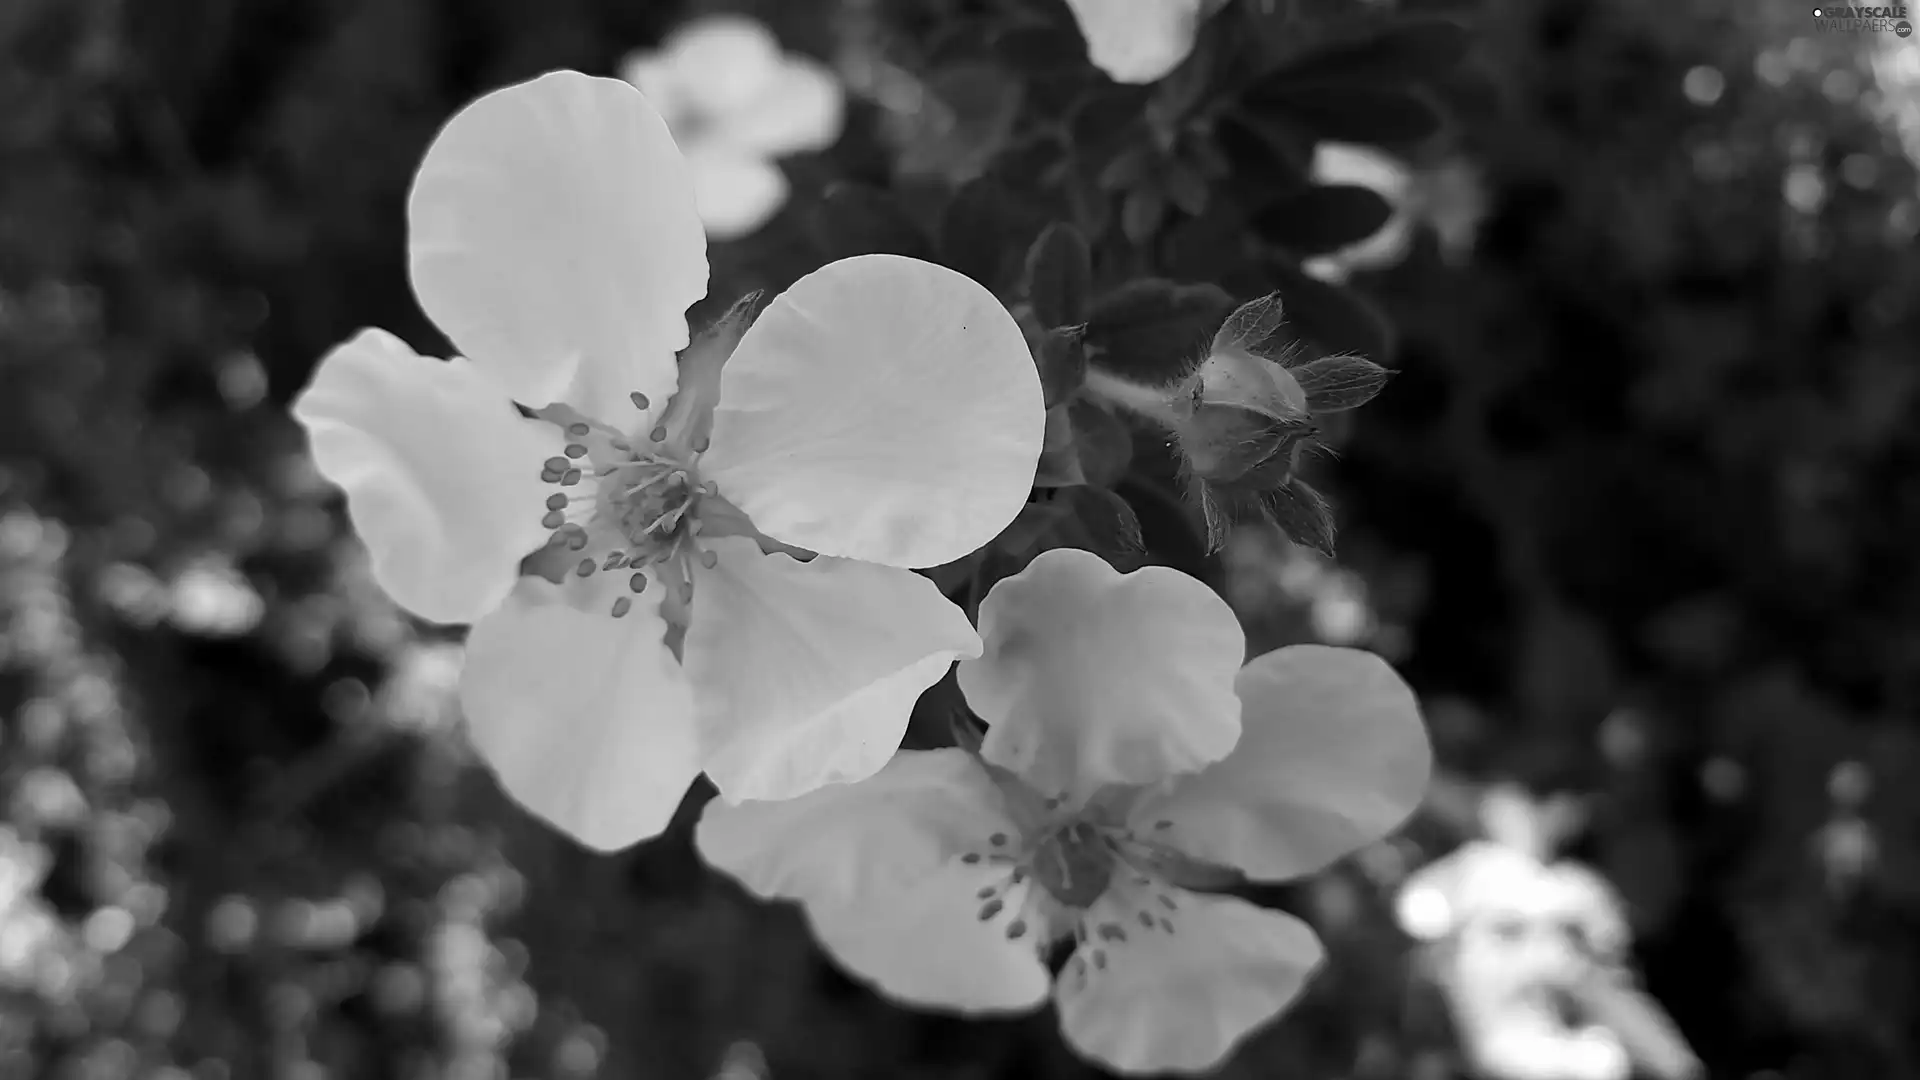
x: 557, y: 464
x: 1146, y: 919
x: 556, y: 502
x: 1100, y: 959
x: 1167, y: 902
x: 637, y: 582
x: 1015, y: 929
x: 554, y: 520
x: 659, y: 433
x: 1167, y: 926
x: 986, y: 892
x: 577, y: 430
x: 575, y: 450
x: 640, y: 400
x: 709, y: 559
x: 998, y: 839
x: 686, y: 592
x: 970, y: 858
x: 577, y: 541
x: 700, y: 444
x: 1163, y: 825
x: 621, y: 607
x: 585, y: 569
x: 570, y: 477
x: 989, y: 909
x: 551, y: 476
x: 1110, y: 932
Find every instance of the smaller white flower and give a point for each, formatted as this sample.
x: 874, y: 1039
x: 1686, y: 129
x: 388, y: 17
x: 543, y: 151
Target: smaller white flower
x: 1128, y: 747
x: 1139, y: 41
x: 735, y: 102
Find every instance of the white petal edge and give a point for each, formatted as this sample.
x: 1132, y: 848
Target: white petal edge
x: 807, y: 672
x: 1333, y: 755
x: 1182, y: 1001
x: 555, y: 239
x: 587, y: 720
x: 883, y: 408
x: 441, y: 474
x: 1091, y: 677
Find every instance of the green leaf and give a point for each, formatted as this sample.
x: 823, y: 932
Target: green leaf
x: 1415, y: 50
x: 984, y: 231
x: 1152, y: 330
x: 855, y: 219
x: 1103, y: 440
x: 1059, y: 276
x: 1362, y: 114
x: 1107, y: 523
x: 1062, y: 358
x: 1253, y: 328
x: 1332, y: 317
x: 968, y: 117
x: 1336, y: 383
x: 1318, y: 219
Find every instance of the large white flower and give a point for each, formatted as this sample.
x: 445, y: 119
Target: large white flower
x: 1139, y: 41
x: 730, y: 529
x: 1127, y: 745
x: 735, y: 102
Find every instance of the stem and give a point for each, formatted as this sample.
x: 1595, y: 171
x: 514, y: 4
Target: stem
x: 1153, y: 403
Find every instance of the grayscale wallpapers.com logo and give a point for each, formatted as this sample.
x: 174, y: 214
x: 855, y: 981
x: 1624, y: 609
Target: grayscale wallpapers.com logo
x: 1890, y: 19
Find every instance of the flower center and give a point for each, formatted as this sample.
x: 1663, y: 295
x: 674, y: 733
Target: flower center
x: 637, y: 505
x: 1074, y: 863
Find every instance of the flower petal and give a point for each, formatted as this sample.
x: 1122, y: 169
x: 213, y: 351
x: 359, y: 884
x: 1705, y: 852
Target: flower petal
x: 1092, y: 677
x: 555, y: 240
x: 1333, y: 756
x: 883, y: 409
x: 586, y: 719
x: 736, y: 194
x: 442, y: 475
x: 1159, y: 1001
x: 801, y: 109
x: 1137, y: 41
x: 877, y: 865
x: 807, y: 671
x: 846, y: 843
x: 722, y: 63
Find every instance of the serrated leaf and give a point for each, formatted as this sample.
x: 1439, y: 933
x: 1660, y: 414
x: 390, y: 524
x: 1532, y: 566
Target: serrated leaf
x: 1415, y: 50
x: 1303, y: 515
x: 1361, y: 114
x: 1059, y: 276
x: 1107, y: 523
x: 854, y: 219
x: 1316, y: 220
x: 1335, y: 318
x: 1335, y: 383
x: 1152, y: 330
x: 1252, y: 328
x: 1062, y: 358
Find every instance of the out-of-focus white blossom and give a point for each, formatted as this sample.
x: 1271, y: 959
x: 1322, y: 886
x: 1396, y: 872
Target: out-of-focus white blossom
x: 735, y: 102
x: 1139, y: 41
x: 1445, y: 197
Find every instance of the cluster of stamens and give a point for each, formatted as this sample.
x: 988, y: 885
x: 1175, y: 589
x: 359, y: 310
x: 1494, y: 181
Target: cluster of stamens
x: 1076, y: 863
x: 648, y: 495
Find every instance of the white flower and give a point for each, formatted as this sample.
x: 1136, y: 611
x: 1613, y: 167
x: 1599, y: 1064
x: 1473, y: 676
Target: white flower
x: 883, y: 413
x: 735, y: 102
x: 1139, y: 41
x: 1115, y: 764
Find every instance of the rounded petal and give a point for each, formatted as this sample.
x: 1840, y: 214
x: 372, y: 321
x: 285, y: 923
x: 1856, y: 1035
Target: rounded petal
x: 806, y: 672
x: 555, y: 240
x: 802, y: 109
x: 1333, y: 755
x: 1180, y: 1000
x: 927, y: 947
x: 722, y: 63
x: 883, y: 409
x: 736, y: 194
x: 844, y: 843
x: 1137, y: 41
x: 442, y: 475
x: 1091, y: 677
x: 586, y: 719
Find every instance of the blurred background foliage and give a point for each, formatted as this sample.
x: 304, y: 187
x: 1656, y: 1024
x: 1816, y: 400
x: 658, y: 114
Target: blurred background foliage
x: 1634, y: 515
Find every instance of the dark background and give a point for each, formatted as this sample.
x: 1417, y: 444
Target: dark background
x: 1638, y: 516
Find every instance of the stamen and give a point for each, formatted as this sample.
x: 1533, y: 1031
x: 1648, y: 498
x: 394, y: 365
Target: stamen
x: 1015, y: 929
x: 550, y: 476
x: 637, y: 582
x: 990, y: 909
x: 1100, y: 959
x: 998, y: 839
x: 557, y: 464
x: 577, y: 430
x: 986, y: 892
x: 570, y: 477
x: 1146, y: 919
x: 659, y: 433
x: 700, y: 444
x: 556, y: 502
x: 621, y: 607
x: 585, y: 569
x: 575, y: 450
x: 554, y: 520
x: 971, y: 858
x: 640, y: 401
x: 709, y: 559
